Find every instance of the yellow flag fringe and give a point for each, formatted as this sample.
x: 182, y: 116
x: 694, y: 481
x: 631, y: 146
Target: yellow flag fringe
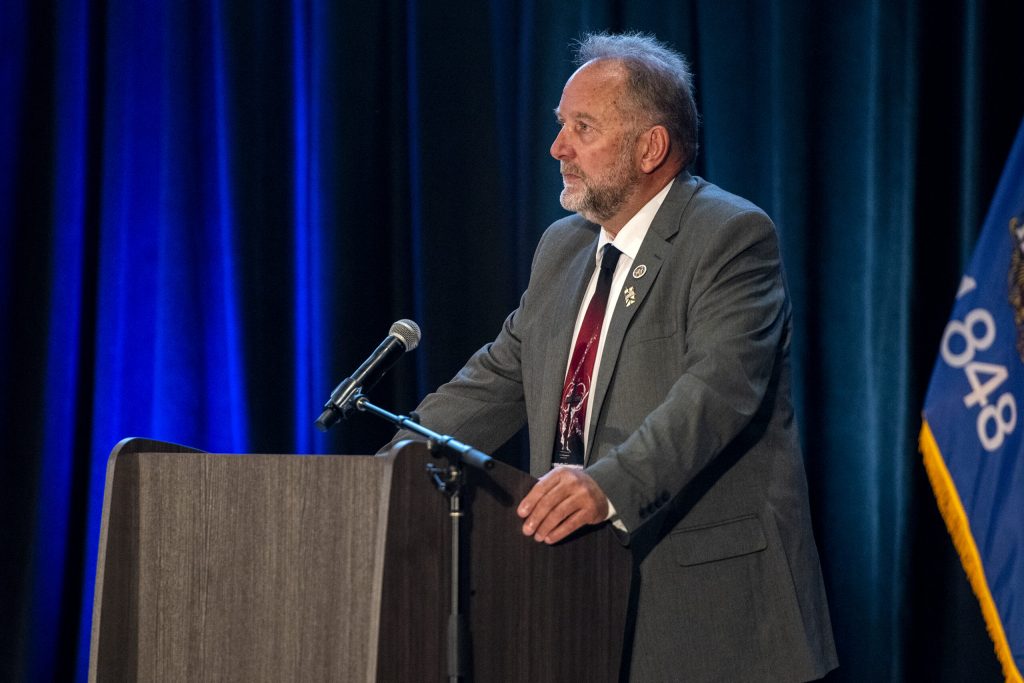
x: 953, y: 513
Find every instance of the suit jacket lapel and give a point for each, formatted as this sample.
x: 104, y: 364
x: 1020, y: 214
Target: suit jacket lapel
x: 651, y: 254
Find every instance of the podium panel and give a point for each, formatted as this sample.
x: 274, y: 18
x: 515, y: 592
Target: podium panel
x: 298, y: 568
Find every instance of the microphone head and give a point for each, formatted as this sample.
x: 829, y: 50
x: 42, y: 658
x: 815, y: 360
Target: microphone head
x: 407, y: 332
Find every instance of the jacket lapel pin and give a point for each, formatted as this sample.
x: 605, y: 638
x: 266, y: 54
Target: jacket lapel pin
x: 630, y: 296
x: 639, y: 271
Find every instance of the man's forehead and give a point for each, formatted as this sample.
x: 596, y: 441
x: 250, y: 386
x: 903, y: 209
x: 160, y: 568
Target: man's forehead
x: 591, y: 94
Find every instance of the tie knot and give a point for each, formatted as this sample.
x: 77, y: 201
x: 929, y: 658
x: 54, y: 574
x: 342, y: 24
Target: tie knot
x: 609, y: 257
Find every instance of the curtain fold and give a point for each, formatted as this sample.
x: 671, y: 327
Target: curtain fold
x: 210, y: 213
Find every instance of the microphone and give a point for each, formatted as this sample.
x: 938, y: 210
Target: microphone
x: 403, y: 336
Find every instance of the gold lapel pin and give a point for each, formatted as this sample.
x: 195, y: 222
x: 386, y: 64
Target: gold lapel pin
x: 630, y: 296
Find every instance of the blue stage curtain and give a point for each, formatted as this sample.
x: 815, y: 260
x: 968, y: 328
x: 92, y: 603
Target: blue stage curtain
x: 210, y: 212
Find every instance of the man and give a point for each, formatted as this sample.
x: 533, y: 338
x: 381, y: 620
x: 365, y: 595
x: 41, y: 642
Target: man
x: 666, y: 407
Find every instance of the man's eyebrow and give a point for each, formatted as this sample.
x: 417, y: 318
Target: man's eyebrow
x: 581, y: 116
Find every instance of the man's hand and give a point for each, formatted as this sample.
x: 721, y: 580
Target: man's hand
x: 562, y: 501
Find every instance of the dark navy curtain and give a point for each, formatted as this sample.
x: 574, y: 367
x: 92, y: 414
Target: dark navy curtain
x: 210, y: 212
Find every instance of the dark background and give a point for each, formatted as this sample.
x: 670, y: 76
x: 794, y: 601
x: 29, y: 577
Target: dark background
x: 212, y: 212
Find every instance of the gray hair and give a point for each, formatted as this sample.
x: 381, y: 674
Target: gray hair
x: 659, y: 83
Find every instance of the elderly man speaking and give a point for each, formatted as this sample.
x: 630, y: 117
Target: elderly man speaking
x: 649, y: 359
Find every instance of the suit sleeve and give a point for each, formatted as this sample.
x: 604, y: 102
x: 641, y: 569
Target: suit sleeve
x: 483, y: 405
x: 733, y: 336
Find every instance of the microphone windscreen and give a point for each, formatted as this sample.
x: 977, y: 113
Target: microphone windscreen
x: 407, y: 332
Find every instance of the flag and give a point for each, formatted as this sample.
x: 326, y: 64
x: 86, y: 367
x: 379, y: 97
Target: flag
x: 971, y: 434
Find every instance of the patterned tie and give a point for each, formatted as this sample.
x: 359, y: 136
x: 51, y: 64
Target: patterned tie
x: 572, y: 411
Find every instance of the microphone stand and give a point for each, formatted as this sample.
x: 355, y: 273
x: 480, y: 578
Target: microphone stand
x: 449, y: 481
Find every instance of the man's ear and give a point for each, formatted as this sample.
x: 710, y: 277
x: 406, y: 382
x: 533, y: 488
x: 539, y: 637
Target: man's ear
x: 654, y: 148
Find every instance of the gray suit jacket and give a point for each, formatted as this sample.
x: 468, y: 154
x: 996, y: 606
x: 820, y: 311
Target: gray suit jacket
x: 692, y: 434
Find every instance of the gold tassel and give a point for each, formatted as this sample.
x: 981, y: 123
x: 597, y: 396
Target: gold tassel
x: 952, y: 510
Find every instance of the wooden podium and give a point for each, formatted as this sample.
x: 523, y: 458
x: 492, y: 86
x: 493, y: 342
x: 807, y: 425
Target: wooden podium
x: 336, y: 568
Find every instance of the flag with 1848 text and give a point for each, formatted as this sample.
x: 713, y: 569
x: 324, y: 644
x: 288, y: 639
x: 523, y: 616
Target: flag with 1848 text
x: 971, y: 435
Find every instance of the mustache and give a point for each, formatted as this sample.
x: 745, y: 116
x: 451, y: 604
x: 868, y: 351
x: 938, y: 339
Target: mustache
x: 571, y: 169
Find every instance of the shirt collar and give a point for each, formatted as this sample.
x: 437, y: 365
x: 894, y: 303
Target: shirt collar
x: 632, y: 235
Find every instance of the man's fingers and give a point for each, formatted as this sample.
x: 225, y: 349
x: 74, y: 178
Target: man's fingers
x: 545, y: 495
x: 543, y: 508
x: 543, y: 485
x: 562, y: 501
x: 569, y: 525
x: 567, y: 508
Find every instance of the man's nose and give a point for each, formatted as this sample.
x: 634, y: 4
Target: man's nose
x: 559, y: 148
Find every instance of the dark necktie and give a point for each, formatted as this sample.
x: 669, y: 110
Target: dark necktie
x: 572, y: 411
